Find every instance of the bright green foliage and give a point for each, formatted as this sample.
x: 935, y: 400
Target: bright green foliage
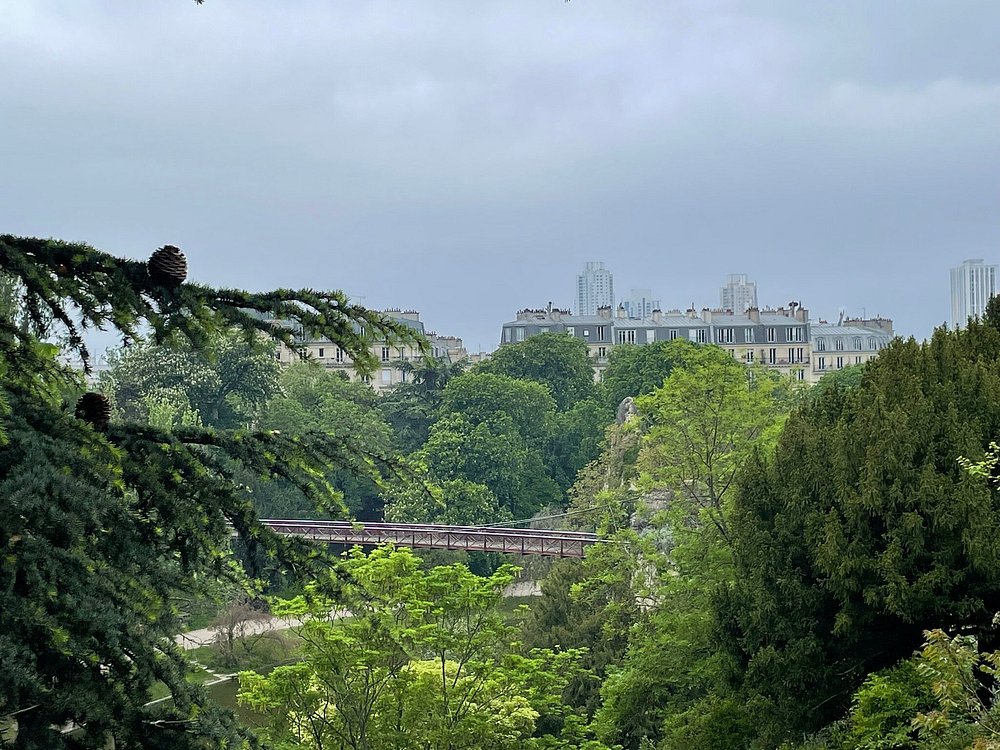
x: 416, y: 659
x: 455, y: 501
x: 556, y: 360
x: 956, y: 671
x: 99, y: 531
x: 884, y: 707
x: 864, y: 528
x: 705, y: 421
x: 226, y: 384
x: 635, y: 370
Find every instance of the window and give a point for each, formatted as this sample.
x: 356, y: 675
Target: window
x: 749, y: 335
x: 543, y: 329
x: 800, y: 354
x: 821, y: 363
x: 672, y: 334
x: 791, y: 354
x: 772, y: 355
x: 838, y: 344
x: 320, y: 353
x: 626, y: 337
x: 586, y: 332
x: 857, y: 360
x: 821, y: 344
x: 602, y: 351
x: 857, y: 343
x: 338, y: 355
x: 385, y: 353
x: 749, y: 356
x: 800, y: 374
x: 602, y: 333
x: 702, y: 336
x: 571, y: 330
x: 726, y: 335
x: 386, y: 376
x: 795, y: 333
x: 506, y: 335
x: 871, y: 343
x: 840, y: 362
x: 518, y: 334
x: 650, y: 335
x: 771, y: 336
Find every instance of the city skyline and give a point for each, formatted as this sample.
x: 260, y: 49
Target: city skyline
x: 466, y: 161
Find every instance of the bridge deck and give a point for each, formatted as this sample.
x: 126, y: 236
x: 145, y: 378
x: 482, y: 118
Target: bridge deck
x: 556, y: 543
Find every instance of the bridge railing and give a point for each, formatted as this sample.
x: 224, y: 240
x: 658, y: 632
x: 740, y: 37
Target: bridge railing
x: 556, y: 543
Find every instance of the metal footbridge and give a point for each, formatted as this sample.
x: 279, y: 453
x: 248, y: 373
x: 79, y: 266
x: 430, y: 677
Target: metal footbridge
x: 553, y: 543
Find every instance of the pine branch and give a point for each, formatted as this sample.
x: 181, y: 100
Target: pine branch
x: 79, y: 287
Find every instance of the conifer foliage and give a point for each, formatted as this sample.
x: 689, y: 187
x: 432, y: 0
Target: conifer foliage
x: 99, y: 528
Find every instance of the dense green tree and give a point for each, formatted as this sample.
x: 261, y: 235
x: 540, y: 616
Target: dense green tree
x: 634, y: 370
x: 102, y: 523
x: 317, y: 400
x: 556, y: 360
x: 499, y: 401
x: 410, y: 408
x: 575, y: 439
x: 864, y: 529
x: 493, y: 455
x: 226, y: 381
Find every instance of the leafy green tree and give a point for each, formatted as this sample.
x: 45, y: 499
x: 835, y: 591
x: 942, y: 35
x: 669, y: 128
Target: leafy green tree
x: 708, y: 417
x: 102, y: 523
x: 493, y: 455
x: 863, y: 529
x: 575, y: 439
x: 424, y: 660
x: 635, y: 370
x: 500, y: 402
x: 226, y: 382
x: 556, y: 360
x: 314, y: 399
x: 411, y: 408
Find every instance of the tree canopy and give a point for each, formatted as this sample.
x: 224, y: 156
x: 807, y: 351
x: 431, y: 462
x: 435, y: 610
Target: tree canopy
x: 102, y: 522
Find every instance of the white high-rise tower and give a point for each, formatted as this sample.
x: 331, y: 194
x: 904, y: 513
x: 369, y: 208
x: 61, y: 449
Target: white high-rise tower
x: 595, y: 287
x: 738, y: 295
x: 972, y: 285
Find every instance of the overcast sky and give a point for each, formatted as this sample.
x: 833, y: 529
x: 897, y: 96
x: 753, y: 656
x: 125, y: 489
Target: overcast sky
x: 467, y: 158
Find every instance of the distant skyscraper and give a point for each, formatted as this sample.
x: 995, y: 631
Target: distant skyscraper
x: 595, y: 288
x: 640, y: 303
x: 972, y: 285
x: 738, y: 295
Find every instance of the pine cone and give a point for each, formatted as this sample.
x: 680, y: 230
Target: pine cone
x: 168, y: 266
x: 94, y: 408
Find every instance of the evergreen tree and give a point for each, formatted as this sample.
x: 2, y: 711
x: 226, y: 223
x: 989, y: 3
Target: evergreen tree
x: 864, y: 530
x: 101, y: 522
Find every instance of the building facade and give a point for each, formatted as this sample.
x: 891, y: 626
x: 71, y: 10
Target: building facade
x: 395, y: 361
x: 640, y: 304
x: 973, y: 284
x: 595, y: 288
x: 778, y: 339
x: 848, y: 342
x: 739, y: 294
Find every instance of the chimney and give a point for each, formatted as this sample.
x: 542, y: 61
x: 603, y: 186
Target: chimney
x: 706, y: 315
x: 657, y: 316
x: 604, y: 311
x: 754, y: 314
x: 620, y: 312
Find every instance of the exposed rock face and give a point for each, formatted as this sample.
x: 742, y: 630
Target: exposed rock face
x: 626, y: 410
